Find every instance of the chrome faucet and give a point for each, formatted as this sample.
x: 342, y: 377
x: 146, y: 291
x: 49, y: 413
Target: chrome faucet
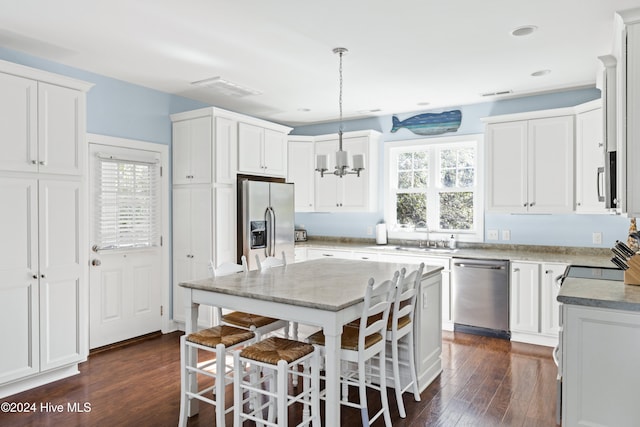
x: 421, y: 226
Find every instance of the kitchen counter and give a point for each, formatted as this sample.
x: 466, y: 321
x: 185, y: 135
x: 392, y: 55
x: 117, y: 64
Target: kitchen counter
x: 600, y: 293
x: 595, y: 257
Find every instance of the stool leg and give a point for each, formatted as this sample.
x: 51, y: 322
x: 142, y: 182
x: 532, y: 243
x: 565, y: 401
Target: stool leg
x: 281, y: 389
x: 362, y: 389
x: 315, y: 387
x: 396, y: 378
x: 237, y: 392
x: 412, y: 366
x: 221, y: 369
x: 184, y: 401
x: 383, y: 389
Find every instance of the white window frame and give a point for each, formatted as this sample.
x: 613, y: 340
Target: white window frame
x: 396, y: 232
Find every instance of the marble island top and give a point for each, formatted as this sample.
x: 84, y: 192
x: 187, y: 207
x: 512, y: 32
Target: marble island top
x: 600, y: 293
x: 326, y: 284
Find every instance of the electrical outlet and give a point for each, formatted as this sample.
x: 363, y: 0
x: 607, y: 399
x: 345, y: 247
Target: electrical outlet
x: 597, y: 237
x: 492, y: 234
x: 506, y: 235
x: 369, y: 231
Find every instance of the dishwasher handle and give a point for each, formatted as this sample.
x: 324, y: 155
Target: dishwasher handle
x: 481, y: 266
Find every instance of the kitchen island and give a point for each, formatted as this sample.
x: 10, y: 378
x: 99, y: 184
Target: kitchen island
x: 599, y: 352
x: 326, y: 293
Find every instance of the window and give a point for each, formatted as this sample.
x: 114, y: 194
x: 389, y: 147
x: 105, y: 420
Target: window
x: 126, y: 203
x: 434, y: 185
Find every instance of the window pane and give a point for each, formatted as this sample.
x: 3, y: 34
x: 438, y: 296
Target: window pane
x: 448, y: 178
x: 411, y: 208
x: 405, y: 161
x: 466, y: 178
x: 421, y: 179
x: 448, y: 158
x: 420, y: 160
x: 456, y: 211
x: 404, y: 179
x: 457, y: 167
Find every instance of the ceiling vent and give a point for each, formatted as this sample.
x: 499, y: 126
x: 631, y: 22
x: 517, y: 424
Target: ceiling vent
x: 226, y: 87
x: 498, y: 93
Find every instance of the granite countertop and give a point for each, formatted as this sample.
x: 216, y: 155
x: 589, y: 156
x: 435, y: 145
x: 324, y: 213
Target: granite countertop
x: 596, y: 257
x: 600, y: 293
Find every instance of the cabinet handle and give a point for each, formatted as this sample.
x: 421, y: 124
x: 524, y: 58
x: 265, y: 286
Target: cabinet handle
x: 515, y: 270
x: 34, y: 162
x: 532, y: 204
x: 525, y: 205
x: 43, y: 276
x: 43, y: 163
x: 547, y: 272
x: 35, y: 276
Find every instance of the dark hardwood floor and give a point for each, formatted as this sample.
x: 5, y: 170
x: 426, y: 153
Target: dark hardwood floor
x: 485, y: 382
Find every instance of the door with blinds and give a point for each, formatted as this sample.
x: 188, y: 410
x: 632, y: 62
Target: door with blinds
x: 125, y: 225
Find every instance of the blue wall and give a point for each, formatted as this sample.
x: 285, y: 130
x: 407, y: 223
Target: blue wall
x: 117, y: 108
x: 556, y: 230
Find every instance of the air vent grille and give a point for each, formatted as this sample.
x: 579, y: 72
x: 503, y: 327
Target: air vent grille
x: 227, y: 87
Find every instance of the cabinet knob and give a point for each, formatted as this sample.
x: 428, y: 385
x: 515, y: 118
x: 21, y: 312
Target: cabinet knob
x: 532, y: 204
x: 515, y: 270
x: 96, y: 262
x: 525, y: 205
x: 42, y: 276
x: 547, y: 272
x: 35, y: 276
x: 34, y: 162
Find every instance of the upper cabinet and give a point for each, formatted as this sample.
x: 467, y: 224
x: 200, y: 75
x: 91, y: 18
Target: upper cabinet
x: 43, y: 124
x: 628, y: 109
x: 192, y: 147
x: 530, y: 162
x: 262, y: 150
x: 301, y: 171
x: 351, y: 193
x: 590, y: 168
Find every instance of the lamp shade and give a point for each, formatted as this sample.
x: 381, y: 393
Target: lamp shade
x: 342, y: 159
x: 321, y: 162
x: 358, y: 161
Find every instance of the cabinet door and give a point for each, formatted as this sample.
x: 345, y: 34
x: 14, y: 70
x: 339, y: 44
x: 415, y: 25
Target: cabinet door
x: 551, y: 154
x: 61, y: 142
x: 225, y: 235
x: 192, y: 151
x: 226, y: 148
x: 507, y: 167
x: 192, y: 248
x: 525, y: 297
x: 250, y: 148
x: 19, y: 124
x: 353, y: 191
x: 301, y: 171
x: 549, y: 305
x: 326, y: 187
x: 590, y: 162
x: 19, y: 312
x: 275, y: 153
x: 62, y: 285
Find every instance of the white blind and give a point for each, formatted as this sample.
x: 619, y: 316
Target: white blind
x: 127, y: 203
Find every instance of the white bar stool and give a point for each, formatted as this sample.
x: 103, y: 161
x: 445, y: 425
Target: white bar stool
x: 276, y: 359
x: 217, y: 340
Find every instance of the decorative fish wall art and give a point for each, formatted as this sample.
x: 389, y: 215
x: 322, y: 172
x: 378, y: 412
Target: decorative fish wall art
x: 430, y: 123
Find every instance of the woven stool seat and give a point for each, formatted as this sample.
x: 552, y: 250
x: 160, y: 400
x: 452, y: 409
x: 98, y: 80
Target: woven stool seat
x: 274, y: 349
x: 227, y: 335
x: 349, y: 338
x: 247, y: 320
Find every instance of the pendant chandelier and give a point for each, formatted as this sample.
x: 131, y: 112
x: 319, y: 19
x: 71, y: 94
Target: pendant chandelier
x: 342, y: 157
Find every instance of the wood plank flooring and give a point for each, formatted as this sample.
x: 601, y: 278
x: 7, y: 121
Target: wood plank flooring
x: 485, y: 382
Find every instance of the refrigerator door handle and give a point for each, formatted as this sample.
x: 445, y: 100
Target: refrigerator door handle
x: 273, y: 231
x: 267, y: 230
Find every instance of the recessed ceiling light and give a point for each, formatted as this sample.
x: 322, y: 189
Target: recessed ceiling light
x: 373, y: 110
x: 226, y: 87
x: 423, y: 103
x: 304, y: 110
x: 497, y: 93
x: 540, y: 73
x: 525, y: 30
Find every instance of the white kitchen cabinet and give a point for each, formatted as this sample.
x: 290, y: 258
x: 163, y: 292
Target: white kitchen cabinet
x: 530, y: 163
x: 533, y: 309
x: 600, y: 350
x: 192, y: 150
x: 301, y: 171
x: 226, y: 149
x: 43, y: 126
x: 590, y: 191
x: 262, y: 151
x: 349, y: 193
x: 192, y: 244
x: 316, y: 253
x: 42, y: 276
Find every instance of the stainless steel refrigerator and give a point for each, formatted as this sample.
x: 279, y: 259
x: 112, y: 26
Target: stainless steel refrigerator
x: 267, y: 220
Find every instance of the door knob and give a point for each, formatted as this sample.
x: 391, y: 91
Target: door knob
x: 96, y: 262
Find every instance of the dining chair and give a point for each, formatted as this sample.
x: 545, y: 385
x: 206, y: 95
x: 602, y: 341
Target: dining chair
x: 361, y: 344
x: 261, y: 325
x: 270, y: 364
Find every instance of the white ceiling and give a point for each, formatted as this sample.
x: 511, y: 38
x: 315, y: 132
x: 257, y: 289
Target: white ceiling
x: 401, y: 53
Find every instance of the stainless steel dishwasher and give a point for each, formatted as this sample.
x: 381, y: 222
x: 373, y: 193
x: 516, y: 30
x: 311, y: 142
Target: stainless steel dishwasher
x: 480, y: 293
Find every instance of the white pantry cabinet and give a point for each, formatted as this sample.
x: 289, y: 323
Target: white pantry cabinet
x: 590, y: 191
x: 533, y: 309
x: 530, y: 162
x: 261, y: 150
x: 349, y: 193
x: 43, y: 250
x: 301, y: 170
x: 43, y: 126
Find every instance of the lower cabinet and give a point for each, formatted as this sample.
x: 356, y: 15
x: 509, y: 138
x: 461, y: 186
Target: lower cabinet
x: 43, y: 285
x: 533, y: 309
x: 599, y: 346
